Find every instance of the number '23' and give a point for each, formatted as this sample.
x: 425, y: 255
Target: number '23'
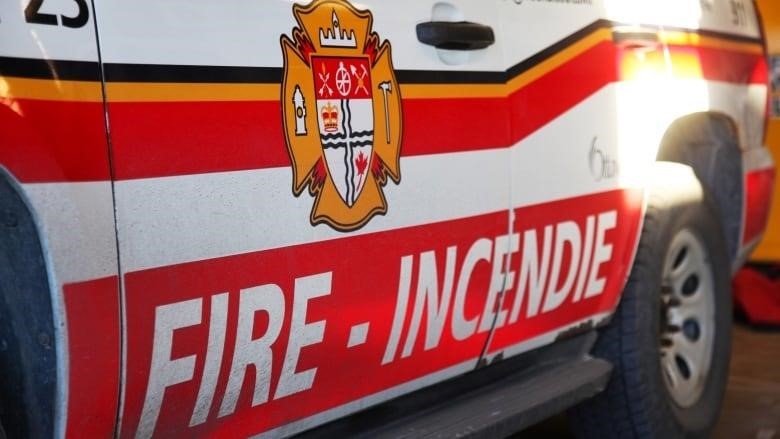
x: 32, y: 14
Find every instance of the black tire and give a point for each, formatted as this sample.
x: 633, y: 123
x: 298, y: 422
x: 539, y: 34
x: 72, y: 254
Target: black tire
x: 28, y: 356
x: 637, y: 402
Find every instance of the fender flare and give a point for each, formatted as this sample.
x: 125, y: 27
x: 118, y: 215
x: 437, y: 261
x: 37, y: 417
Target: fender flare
x: 709, y: 144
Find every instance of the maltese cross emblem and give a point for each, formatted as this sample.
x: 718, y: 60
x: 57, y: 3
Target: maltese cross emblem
x: 342, y: 113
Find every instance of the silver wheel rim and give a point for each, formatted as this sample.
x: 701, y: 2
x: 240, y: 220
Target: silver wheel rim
x: 687, y: 318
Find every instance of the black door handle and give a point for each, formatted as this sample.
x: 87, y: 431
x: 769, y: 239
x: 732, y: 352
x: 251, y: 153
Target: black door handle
x: 461, y: 35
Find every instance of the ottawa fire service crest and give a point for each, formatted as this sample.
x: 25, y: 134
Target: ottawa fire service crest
x: 342, y: 113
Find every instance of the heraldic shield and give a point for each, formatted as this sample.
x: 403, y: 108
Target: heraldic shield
x: 342, y: 113
x: 346, y: 121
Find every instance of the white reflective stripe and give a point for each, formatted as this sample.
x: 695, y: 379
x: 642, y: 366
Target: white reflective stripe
x: 164, y: 221
x: 78, y: 222
x: 171, y: 220
x: 553, y: 163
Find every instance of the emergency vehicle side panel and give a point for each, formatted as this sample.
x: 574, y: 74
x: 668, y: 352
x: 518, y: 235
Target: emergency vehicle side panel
x: 252, y: 303
x: 54, y: 146
x: 252, y: 300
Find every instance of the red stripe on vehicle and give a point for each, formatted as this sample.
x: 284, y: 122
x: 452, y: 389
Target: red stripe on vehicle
x: 726, y: 65
x: 434, y: 126
x: 758, y: 199
x: 543, y: 100
x: 156, y: 139
x: 92, y: 310
x: 182, y: 138
x: 65, y: 141
x: 51, y: 141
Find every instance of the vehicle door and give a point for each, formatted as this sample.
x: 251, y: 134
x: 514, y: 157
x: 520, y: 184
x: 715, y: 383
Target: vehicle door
x: 58, y: 275
x: 576, y: 198
x: 312, y: 205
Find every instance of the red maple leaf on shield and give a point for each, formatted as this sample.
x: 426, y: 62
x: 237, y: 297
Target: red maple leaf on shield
x: 361, y: 162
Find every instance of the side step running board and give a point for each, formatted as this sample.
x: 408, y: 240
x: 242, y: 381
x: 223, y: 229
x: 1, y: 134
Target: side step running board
x: 506, y: 406
x: 492, y: 401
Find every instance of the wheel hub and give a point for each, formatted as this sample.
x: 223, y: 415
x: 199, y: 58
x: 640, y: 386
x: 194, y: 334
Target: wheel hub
x: 687, y: 318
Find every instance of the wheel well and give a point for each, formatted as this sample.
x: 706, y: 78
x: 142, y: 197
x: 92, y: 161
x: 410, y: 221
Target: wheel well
x: 28, y: 358
x: 709, y: 143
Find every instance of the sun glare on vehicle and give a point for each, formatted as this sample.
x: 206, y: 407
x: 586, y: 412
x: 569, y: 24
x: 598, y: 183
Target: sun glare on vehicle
x: 652, y: 93
x: 663, y: 96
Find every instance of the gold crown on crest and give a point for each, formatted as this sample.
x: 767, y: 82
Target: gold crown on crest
x: 335, y: 36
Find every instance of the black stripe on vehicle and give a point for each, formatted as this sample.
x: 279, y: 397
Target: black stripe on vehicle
x: 449, y: 77
x: 550, y: 51
x: 49, y: 69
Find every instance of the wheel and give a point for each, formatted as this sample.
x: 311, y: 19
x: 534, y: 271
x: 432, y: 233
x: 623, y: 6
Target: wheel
x: 670, y: 338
